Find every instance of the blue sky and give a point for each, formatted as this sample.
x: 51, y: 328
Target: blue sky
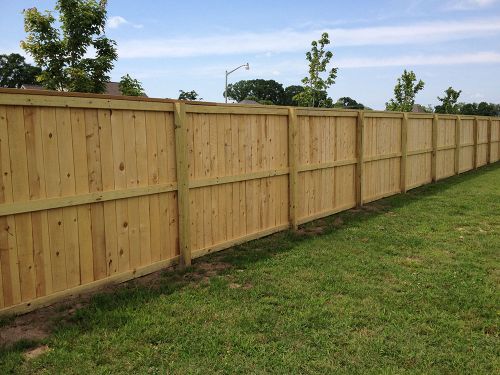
x: 173, y: 45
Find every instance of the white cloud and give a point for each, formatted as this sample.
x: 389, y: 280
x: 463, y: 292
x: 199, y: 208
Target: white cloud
x: 451, y: 59
x: 117, y: 21
x: 289, y: 40
x: 469, y: 4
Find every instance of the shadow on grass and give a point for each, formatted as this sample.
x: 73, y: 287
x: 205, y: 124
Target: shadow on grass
x: 119, y: 301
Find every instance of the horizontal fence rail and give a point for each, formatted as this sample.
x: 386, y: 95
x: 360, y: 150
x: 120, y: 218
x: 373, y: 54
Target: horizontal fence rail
x: 98, y: 189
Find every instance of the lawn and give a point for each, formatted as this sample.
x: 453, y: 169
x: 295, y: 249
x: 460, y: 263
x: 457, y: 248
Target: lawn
x: 406, y: 285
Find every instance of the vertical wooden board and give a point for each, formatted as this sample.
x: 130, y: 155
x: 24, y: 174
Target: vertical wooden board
x: 214, y: 166
x: 221, y: 171
x: 166, y: 173
x: 173, y: 225
x: 345, y: 189
x: 466, y: 158
x: 228, y: 151
x: 153, y: 179
x: 68, y: 188
x: 8, y: 249
x: 271, y: 162
x: 86, y: 258
x: 207, y: 216
x: 141, y: 150
x: 108, y: 183
x: 36, y: 175
x: 169, y: 129
x: 241, y: 127
x: 20, y: 192
x: 419, y: 172
x: 119, y: 178
x: 95, y: 184
x: 345, y: 138
x: 132, y: 178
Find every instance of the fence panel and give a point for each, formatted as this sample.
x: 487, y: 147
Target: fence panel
x: 98, y: 189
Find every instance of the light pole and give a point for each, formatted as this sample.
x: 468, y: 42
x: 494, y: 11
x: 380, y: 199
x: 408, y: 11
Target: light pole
x: 247, y: 67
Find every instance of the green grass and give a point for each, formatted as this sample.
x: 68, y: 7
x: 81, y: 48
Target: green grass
x: 408, y: 286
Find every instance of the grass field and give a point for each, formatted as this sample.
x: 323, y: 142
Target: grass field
x: 406, y: 285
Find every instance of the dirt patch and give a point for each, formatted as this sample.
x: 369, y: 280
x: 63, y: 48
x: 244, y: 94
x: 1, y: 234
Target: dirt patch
x: 375, y: 207
x: 32, y: 329
x: 338, y: 222
x: 34, y: 353
x: 39, y: 324
x: 310, y: 231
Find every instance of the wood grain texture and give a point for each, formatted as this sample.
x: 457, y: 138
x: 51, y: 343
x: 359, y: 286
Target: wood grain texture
x: 97, y: 190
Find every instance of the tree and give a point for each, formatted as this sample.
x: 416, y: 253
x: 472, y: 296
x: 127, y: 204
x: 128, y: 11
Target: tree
x: 14, y: 71
x: 348, y: 103
x: 259, y: 90
x: 481, y: 109
x: 404, y: 92
x: 290, y: 93
x: 448, y: 102
x: 130, y: 86
x: 315, y: 84
x: 63, y: 53
x: 189, y: 95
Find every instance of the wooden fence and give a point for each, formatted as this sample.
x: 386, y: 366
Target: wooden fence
x: 99, y: 189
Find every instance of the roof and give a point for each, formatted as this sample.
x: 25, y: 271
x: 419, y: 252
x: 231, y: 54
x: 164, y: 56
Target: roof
x: 112, y: 88
x: 248, y: 101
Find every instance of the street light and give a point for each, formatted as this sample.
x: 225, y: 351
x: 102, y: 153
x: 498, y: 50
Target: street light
x: 247, y: 67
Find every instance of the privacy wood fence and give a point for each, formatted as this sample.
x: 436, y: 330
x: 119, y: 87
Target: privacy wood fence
x: 99, y: 189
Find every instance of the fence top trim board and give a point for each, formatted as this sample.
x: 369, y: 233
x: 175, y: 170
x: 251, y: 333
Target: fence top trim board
x: 86, y: 100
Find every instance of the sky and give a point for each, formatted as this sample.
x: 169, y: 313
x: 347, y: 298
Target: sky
x: 188, y: 45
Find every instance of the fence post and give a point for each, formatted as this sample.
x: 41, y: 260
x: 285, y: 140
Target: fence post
x: 476, y: 132
x: 488, y: 150
x: 181, y: 158
x: 360, y: 167
x: 293, y: 156
x: 435, y: 120
x: 458, y: 127
x: 404, y: 151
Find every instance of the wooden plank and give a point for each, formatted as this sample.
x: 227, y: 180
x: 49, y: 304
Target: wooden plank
x: 153, y: 179
x: 142, y: 180
x: 20, y: 191
x: 108, y: 184
x: 293, y: 156
x: 53, y: 189
x: 120, y: 181
x: 82, y: 187
x: 476, y: 135
x: 322, y: 112
x: 236, y: 178
x: 434, y: 147
x: 133, y: 222
x: 8, y: 249
x: 181, y: 158
x: 360, y: 166
x: 80, y: 102
x: 488, y: 150
x: 67, y: 178
x: 95, y: 184
x: 238, y: 241
x: 235, y: 110
x: 419, y: 152
x: 404, y: 152
x: 36, y: 174
x: 98, y: 196
x: 458, y: 127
